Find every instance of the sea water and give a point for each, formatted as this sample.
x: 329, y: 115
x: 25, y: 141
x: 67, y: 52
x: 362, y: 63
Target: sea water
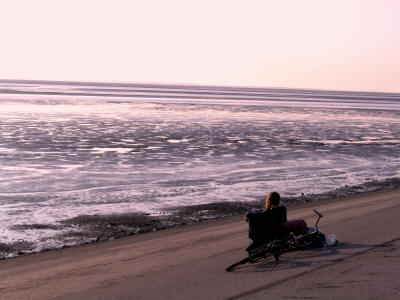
x: 68, y: 149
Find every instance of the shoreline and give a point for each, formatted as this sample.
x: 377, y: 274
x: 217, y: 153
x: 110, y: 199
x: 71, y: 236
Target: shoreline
x: 89, y: 229
x: 190, y: 261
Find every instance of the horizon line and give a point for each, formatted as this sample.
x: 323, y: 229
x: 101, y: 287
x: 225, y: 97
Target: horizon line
x: 193, y: 85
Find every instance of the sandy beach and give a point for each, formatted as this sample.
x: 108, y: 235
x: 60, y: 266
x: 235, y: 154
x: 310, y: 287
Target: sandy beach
x: 188, y: 262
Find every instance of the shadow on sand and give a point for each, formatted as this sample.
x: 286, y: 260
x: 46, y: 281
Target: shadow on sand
x: 304, y: 258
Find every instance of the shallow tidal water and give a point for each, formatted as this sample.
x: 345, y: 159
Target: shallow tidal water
x: 70, y: 150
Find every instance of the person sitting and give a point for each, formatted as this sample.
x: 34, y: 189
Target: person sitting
x: 263, y: 224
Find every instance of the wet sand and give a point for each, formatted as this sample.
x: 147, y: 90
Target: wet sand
x: 189, y: 261
x: 85, y: 229
x: 64, y: 155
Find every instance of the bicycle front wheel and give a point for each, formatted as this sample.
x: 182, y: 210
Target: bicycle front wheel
x: 241, y: 262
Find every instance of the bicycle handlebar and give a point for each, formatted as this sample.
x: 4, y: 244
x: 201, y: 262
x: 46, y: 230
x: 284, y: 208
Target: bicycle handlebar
x: 318, y: 213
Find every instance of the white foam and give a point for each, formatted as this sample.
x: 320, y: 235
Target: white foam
x: 6, y: 150
x: 104, y: 150
x: 174, y: 141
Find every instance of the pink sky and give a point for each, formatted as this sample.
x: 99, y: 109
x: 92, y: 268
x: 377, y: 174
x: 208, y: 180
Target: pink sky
x: 345, y: 45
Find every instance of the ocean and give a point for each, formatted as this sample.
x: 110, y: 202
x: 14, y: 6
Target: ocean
x: 71, y: 149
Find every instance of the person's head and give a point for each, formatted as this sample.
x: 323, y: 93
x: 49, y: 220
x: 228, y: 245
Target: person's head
x: 272, y: 200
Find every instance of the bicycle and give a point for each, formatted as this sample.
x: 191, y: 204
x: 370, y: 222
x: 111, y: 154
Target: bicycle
x: 313, y: 237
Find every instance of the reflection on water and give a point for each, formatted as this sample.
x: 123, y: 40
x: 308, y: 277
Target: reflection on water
x: 68, y: 156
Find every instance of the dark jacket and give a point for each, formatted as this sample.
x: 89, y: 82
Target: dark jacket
x: 262, y: 224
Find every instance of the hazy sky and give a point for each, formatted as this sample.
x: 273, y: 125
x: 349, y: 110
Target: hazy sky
x: 347, y: 45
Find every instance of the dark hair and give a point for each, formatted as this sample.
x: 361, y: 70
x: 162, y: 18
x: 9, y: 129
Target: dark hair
x: 272, y: 200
